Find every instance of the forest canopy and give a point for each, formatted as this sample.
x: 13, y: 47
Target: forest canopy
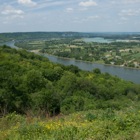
x: 32, y: 84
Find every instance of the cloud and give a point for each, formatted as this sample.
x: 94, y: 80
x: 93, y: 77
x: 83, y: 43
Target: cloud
x: 9, y: 10
x: 10, y: 13
x: 27, y: 2
x: 88, y: 3
x: 93, y: 17
x: 126, y: 2
x: 86, y: 19
x: 124, y: 18
x: 14, y: 16
x: 50, y: 3
x: 130, y: 12
x: 69, y: 10
x: 131, y: 1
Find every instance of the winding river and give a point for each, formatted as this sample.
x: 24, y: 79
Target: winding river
x: 128, y: 74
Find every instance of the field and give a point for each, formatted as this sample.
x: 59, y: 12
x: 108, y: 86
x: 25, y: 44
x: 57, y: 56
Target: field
x: 115, y: 53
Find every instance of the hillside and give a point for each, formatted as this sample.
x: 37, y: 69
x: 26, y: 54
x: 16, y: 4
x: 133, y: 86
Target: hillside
x: 88, y: 125
x: 34, y: 87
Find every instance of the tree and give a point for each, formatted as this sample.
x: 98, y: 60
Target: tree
x: 72, y: 104
x: 97, y: 71
x: 46, y: 100
x: 67, y: 84
x: 35, y: 81
x: 53, y: 74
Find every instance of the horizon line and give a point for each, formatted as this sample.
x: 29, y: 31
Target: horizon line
x: 73, y: 32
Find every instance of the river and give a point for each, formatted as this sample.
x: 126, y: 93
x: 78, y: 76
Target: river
x: 98, y: 40
x: 128, y: 74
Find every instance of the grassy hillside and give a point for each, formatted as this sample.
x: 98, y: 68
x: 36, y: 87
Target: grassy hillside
x: 41, y: 93
x: 88, y: 125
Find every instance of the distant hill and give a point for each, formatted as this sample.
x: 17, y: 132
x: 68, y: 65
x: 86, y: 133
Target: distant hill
x: 48, y: 35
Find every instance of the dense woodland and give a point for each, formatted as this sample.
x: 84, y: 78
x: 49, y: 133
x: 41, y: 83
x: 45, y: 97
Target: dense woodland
x: 32, y: 83
x: 34, y: 89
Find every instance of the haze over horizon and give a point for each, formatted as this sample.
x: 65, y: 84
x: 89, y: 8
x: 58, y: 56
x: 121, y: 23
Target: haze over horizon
x: 72, y: 15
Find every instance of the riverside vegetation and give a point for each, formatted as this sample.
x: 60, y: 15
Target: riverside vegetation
x: 43, y: 100
x: 114, y: 53
x: 121, y: 49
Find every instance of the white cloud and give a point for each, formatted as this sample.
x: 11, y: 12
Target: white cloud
x: 9, y: 10
x: 50, y: 3
x: 126, y: 2
x: 69, y: 10
x: 11, y: 18
x: 130, y: 12
x: 27, y: 2
x: 86, y: 19
x: 124, y: 18
x: 88, y: 3
x: 92, y: 17
x: 10, y: 13
x: 131, y: 1
x: 14, y: 17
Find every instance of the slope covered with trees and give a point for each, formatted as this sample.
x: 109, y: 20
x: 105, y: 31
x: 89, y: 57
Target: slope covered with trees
x: 31, y: 83
x: 33, y: 89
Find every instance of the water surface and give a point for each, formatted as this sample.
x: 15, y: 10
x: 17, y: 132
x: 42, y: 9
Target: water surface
x: 128, y: 74
x: 98, y: 40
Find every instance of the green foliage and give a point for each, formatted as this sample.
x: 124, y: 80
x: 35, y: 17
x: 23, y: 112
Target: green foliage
x: 97, y: 71
x: 72, y: 104
x: 90, y: 117
x: 93, y: 124
x: 36, y: 88
x: 31, y: 84
x: 53, y: 74
x: 73, y: 69
x: 46, y: 101
x: 35, y: 81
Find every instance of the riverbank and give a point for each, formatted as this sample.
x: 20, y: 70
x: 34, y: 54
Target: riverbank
x: 129, y: 74
x: 12, y: 44
x: 66, y: 58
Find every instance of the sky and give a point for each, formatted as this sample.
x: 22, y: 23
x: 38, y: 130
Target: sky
x: 70, y: 15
